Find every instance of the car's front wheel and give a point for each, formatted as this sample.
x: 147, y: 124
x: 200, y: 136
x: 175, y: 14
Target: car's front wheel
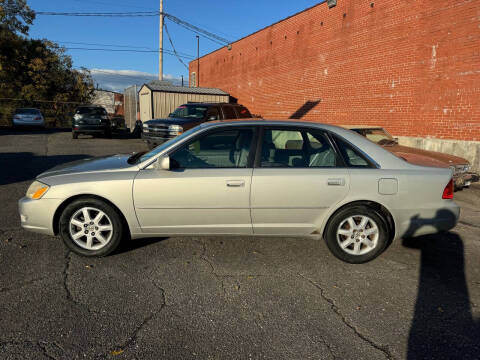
x: 357, y: 234
x: 91, y: 227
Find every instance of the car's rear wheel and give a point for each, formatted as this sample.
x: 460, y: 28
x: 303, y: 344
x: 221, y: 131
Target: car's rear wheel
x: 91, y: 227
x: 74, y: 135
x: 357, y: 234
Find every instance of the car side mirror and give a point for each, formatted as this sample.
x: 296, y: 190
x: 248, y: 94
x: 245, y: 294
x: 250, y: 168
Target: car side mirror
x: 171, y: 115
x: 163, y: 163
x: 396, y: 140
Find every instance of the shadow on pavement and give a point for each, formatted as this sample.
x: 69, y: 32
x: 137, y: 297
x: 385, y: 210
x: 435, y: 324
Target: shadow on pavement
x: 443, y: 326
x: 130, y: 245
x: 22, y: 166
x: 31, y: 130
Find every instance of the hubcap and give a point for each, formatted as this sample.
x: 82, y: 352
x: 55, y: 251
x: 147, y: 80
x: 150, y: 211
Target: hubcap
x: 91, y: 228
x: 357, y: 235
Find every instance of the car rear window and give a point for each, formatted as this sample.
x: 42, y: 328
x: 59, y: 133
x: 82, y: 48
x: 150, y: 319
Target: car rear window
x: 243, y: 112
x: 91, y: 111
x: 27, y: 111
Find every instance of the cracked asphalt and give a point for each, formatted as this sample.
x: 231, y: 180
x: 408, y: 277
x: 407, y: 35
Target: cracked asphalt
x: 226, y: 298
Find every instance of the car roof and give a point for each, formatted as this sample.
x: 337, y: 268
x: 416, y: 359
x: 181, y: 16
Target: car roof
x: 212, y: 104
x: 361, y: 127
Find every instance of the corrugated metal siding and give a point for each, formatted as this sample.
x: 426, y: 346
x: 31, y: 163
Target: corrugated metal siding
x: 145, y: 100
x: 164, y: 103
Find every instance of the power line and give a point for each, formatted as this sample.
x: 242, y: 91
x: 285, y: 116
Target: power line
x: 120, y: 46
x: 213, y: 37
x: 98, y: 14
x: 168, y: 52
x: 173, y: 47
x: 207, y: 34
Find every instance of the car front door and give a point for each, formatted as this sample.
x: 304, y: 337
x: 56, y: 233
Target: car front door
x: 297, y: 178
x: 207, y: 191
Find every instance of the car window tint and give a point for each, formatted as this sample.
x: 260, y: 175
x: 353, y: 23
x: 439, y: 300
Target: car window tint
x: 351, y: 156
x: 242, y: 112
x: 229, y: 112
x: 221, y: 149
x: 213, y: 112
x: 294, y: 148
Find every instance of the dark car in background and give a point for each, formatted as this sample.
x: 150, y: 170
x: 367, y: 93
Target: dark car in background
x: 92, y: 120
x: 187, y: 116
x: 462, y: 176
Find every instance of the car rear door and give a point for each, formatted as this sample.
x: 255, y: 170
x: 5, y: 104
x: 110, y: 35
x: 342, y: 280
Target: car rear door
x: 298, y: 177
x: 207, y: 192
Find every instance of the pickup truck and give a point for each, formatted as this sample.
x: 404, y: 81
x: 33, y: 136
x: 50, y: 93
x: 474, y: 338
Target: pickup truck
x: 187, y: 116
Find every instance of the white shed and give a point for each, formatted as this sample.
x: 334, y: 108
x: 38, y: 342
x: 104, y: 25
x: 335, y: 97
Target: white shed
x: 157, y: 99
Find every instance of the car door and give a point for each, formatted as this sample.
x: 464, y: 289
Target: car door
x: 298, y: 177
x: 207, y: 191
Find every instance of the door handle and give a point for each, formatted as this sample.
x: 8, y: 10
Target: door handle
x: 336, y: 182
x: 235, y: 183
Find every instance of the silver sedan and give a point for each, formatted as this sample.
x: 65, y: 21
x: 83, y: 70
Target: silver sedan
x: 262, y: 178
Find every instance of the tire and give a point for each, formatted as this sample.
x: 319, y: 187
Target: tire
x: 108, y: 134
x: 362, y: 247
x: 72, y: 222
x: 74, y: 135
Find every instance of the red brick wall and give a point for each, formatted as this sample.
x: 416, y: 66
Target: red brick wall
x: 410, y: 66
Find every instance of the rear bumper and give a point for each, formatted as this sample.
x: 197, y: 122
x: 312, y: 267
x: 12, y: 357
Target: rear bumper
x: 17, y: 122
x: 424, y: 221
x: 91, y: 128
x: 37, y: 215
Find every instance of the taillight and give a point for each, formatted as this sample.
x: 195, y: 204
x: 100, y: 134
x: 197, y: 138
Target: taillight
x: 448, y: 192
x: 38, y: 118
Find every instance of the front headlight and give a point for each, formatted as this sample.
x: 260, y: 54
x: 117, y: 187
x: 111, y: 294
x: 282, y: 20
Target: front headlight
x: 175, y: 129
x: 37, y: 190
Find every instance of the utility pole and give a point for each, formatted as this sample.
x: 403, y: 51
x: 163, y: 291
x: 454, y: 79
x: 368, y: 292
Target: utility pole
x: 198, y: 61
x: 160, y: 55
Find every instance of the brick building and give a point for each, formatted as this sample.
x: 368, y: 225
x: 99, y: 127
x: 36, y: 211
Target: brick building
x: 412, y: 66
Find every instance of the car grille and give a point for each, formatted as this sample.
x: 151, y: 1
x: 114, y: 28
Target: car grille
x: 157, y: 130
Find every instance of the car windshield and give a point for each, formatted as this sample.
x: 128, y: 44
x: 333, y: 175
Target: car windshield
x: 27, y: 111
x: 90, y: 111
x: 190, y: 112
x: 165, y: 145
x: 379, y: 136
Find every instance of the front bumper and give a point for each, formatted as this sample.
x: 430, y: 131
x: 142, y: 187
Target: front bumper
x: 465, y: 179
x: 37, y: 215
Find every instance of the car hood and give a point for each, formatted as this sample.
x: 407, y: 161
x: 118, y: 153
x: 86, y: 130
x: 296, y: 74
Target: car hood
x: 425, y: 157
x: 115, y: 162
x: 170, y: 121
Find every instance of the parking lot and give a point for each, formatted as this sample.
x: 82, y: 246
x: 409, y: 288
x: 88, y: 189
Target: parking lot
x: 226, y: 298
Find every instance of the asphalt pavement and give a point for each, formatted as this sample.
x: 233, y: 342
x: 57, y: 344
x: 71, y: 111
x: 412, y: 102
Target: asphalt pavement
x: 226, y: 298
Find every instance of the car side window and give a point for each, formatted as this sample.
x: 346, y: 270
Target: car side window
x: 213, y: 114
x: 351, y: 156
x: 229, y: 112
x: 296, y: 148
x: 219, y: 149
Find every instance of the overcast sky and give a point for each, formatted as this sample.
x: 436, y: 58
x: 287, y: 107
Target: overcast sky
x: 116, y: 70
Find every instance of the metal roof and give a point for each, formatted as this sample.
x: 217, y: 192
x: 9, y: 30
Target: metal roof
x: 168, y: 87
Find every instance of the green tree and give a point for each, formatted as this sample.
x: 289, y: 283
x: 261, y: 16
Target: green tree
x: 15, y: 16
x: 37, y: 71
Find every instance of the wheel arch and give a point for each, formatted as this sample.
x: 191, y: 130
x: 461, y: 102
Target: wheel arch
x: 66, y: 202
x: 386, y: 214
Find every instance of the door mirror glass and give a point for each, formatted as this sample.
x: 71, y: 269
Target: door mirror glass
x: 163, y: 163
